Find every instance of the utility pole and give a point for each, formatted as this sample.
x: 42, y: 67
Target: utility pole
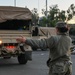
x: 46, y: 11
x: 38, y: 11
x: 38, y: 7
x: 46, y: 8
x: 15, y: 3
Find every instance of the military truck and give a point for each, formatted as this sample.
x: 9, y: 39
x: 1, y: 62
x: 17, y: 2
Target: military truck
x: 71, y: 26
x: 42, y: 32
x: 72, y: 33
x: 14, y: 22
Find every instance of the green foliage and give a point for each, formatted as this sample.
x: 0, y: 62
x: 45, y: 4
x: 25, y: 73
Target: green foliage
x: 35, y: 16
x: 53, y: 15
x: 43, y: 21
x: 71, y: 11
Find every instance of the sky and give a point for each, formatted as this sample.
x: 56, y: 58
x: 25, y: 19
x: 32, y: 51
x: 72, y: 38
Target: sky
x: 39, y: 4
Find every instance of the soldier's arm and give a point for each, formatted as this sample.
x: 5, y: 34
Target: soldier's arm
x: 42, y: 43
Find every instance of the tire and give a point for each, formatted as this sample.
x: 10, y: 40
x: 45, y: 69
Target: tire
x: 43, y: 49
x: 6, y: 57
x: 22, y: 59
x: 34, y: 49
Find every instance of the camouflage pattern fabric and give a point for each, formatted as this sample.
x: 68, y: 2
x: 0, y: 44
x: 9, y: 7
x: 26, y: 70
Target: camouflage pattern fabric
x: 60, y: 68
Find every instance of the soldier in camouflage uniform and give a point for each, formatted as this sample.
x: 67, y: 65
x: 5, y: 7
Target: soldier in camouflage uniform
x: 60, y: 53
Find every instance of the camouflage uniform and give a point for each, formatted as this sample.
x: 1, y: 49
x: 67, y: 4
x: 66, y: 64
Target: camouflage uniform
x: 60, y: 53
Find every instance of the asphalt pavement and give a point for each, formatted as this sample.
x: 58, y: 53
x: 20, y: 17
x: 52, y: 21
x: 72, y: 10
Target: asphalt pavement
x: 35, y: 67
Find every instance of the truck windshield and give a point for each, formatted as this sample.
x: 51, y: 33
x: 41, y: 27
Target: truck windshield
x: 15, y: 25
x: 72, y: 31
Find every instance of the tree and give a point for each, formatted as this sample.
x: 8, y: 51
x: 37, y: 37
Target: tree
x: 35, y: 16
x: 43, y: 21
x: 54, y: 15
x: 62, y: 15
x: 71, y: 11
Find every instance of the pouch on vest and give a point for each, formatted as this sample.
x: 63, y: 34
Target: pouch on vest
x: 48, y: 62
x: 58, y: 67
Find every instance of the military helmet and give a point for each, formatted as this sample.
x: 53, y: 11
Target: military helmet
x: 61, y: 24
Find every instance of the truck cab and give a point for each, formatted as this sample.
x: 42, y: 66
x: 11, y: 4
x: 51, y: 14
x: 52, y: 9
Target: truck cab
x: 72, y: 33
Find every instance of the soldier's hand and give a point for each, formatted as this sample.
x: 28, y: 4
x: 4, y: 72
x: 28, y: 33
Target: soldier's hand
x: 21, y: 39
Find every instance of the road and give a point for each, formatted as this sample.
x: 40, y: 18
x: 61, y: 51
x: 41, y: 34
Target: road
x: 35, y: 67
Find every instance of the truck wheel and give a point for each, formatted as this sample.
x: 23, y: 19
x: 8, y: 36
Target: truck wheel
x: 43, y: 49
x: 34, y: 49
x: 6, y: 57
x: 22, y: 59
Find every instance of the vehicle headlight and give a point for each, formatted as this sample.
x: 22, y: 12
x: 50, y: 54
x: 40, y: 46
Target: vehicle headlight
x: 0, y: 42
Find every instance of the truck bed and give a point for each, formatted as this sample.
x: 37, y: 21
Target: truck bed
x: 9, y: 36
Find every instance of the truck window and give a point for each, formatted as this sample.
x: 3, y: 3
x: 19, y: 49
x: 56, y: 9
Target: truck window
x: 72, y: 31
x: 15, y: 25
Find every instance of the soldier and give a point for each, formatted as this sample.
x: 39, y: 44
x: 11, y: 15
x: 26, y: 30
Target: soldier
x: 60, y: 53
